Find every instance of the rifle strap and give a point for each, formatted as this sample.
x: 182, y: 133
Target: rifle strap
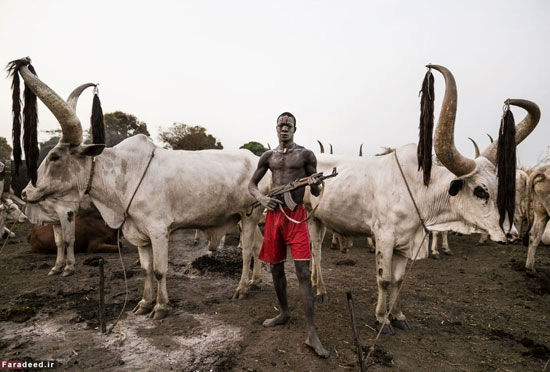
x: 309, y: 216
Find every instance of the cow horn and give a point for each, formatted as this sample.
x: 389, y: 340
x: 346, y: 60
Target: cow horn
x: 73, y: 97
x: 63, y: 112
x: 330, y: 148
x: 361, y: 150
x: 490, y: 138
x: 475, y: 147
x: 322, y: 147
x: 523, y: 129
x: 444, y: 143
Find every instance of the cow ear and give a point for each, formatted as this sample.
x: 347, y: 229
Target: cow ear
x: 456, y: 186
x: 91, y: 150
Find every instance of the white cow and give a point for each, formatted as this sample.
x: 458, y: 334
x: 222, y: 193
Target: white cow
x: 546, y: 235
x: 173, y: 189
x: 460, y: 197
x: 538, y: 188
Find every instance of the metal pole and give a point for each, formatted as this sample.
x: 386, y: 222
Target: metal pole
x: 355, y: 333
x: 102, y: 325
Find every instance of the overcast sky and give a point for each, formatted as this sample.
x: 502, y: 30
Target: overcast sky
x: 350, y: 71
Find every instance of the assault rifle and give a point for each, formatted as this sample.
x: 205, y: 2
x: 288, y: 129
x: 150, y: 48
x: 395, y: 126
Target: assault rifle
x: 286, y: 189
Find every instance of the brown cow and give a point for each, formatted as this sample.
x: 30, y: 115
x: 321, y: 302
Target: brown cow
x: 92, y: 235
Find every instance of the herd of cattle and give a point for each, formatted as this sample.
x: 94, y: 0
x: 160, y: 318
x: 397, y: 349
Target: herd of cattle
x: 208, y: 190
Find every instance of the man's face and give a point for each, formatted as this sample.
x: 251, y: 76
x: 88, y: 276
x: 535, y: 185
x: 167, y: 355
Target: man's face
x: 285, y: 128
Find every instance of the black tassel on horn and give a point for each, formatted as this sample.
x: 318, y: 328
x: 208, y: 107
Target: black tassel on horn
x: 424, y: 149
x: 30, y: 135
x: 96, y: 120
x: 12, y: 69
x: 506, y: 167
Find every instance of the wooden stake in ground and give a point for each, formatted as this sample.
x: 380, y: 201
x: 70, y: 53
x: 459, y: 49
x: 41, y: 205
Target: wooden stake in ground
x: 102, y: 326
x: 355, y: 333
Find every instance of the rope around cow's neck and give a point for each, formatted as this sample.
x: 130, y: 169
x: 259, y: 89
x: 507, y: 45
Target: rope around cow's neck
x: 125, y: 216
x: 407, y: 271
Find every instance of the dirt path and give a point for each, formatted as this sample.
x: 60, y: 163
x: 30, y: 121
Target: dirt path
x: 476, y: 310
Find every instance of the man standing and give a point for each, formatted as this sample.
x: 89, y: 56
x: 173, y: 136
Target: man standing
x: 287, y: 163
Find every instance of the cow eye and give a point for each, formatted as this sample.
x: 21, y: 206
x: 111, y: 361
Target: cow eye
x: 481, y: 193
x: 54, y: 157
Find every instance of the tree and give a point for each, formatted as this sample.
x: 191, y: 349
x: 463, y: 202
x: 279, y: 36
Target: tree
x: 119, y: 126
x: 181, y: 136
x: 5, y: 150
x: 255, y: 147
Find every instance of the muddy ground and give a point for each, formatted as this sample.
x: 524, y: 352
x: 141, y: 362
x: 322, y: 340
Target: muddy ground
x: 476, y: 310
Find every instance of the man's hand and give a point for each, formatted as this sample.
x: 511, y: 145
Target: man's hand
x: 269, y: 203
x: 314, y: 180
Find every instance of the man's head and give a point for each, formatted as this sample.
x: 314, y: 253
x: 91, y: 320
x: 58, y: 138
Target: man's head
x: 286, y: 126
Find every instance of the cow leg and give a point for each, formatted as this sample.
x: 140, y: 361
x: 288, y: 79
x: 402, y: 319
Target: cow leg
x: 249, y: 227
x: 535, y: 235
x: 68, y: 232
x: 160, y: 269
x: 399, y: 265
x: 334, y: 242
x: 196, y: 239
x: 445, y: 243
x: 146, y: 260
x: 346, y: 242
x: 384, y: 253
x: 483, y: 238
x: 317, y: 233
x: 60, y: 258
x: 434, y: 251
x: 258, y: 238
x: 370, y: 244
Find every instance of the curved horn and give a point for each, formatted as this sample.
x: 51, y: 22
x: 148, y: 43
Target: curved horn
x: 361, y: 150
x: 523, y: 129
x: 475, y: 147
x: 330, y: 148
x: 444, y: 143
x: 490, y: 138
x: 65, y: 115
x: 322, y: 147
x: 73, y: 97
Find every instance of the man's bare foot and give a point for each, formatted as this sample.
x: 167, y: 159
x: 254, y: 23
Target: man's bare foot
x: 278, y: 320
x: 314, y: 343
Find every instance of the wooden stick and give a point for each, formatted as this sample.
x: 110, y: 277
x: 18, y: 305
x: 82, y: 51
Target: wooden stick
x: 102, y: 325
x: 355, y: 333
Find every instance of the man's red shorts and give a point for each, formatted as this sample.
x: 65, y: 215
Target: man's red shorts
x: 280, y: 232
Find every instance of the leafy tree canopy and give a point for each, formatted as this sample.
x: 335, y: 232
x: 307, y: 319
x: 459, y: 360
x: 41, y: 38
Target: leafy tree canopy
x: 181, y: 136
x: 255, y: 147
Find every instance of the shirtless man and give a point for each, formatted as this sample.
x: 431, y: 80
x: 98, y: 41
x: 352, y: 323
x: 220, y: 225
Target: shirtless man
x: 287, y: 163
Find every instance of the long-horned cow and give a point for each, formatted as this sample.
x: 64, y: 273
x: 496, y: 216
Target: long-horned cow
x: 145, y: 190
x: 538, y: 188
x: 461, y: 196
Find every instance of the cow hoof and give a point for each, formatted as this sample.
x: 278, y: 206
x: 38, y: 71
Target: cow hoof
x: 67, y: 272
x: 54, y: 271
x: 239, y: 294
x: 333, y: 247
x: 322, y: 298
x: 436, y: 256
x: 142, y: 308
x: 387, y: 329
x: 159, y: 312
x: 401, y: 324
x: 448, y: 253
